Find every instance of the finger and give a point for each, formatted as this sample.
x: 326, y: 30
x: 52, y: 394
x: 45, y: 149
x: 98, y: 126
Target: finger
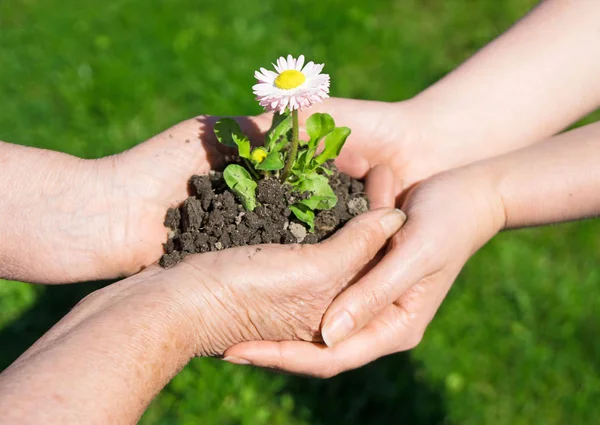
x: 179, y: 145
x: 360, y: 239
x: 353, y: 164
x: 379, y: 187
x: 344, y: 111
x: 403, y: 266
x: 314, y: 359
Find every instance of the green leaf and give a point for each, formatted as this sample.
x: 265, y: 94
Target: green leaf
x: 325, y: 171
x: 318, y: 126
x: 317, y: 202
x: 244, y: 148
x: 241, y: 183
x: 323, y: 197
x: 272, y: 162
x: 304, y: 214
x: 300, y: 164
x: 230, y: 134
x: 280, y: 128
x: 333, y: 144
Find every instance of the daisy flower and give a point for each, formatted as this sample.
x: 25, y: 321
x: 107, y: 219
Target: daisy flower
x: 292, y: 86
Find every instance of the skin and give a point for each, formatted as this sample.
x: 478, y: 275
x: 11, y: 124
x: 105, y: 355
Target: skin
x: 97, y: 219
x: 519, y: 90
x: 391, y: 306
x: 106, y: 360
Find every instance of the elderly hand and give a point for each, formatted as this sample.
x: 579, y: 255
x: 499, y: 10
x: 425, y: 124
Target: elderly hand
x: 97, y: 219
x: 118, y: 347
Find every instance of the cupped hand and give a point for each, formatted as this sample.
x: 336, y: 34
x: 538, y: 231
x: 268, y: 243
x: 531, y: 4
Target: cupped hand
x: 260, y: 292
x: 383, y: 133
x: 133, y: 191
x: 275, y: 292
x: 449, y: 217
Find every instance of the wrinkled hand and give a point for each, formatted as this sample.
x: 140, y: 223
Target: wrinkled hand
x: 449, y: 217
x: 271, y: 292
x: 132, y: 191
x: 274, y: 292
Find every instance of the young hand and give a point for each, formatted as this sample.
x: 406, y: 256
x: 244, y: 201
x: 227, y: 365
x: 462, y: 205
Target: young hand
x: 449, y: 217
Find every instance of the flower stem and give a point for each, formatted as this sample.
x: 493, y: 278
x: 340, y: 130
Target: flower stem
x: 251, y: 169
x: 293, y: 151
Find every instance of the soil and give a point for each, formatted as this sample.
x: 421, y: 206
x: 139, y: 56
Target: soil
x: 212, y: 218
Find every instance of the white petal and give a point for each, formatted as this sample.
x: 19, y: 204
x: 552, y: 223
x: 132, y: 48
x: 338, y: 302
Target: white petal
x: 299, y: 63
x: 269, y: 74
x: 282, y: 64
x: 284, y: 102
x: 291, y: 62
x: 308, y: 68
x: 318, y: 68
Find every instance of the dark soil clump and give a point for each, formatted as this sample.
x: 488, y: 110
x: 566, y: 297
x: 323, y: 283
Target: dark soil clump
x: 212, y: 219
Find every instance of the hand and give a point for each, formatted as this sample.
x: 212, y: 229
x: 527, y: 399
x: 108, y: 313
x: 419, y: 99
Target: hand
x: 98, y: 219
x: 143, y: 182
x: 382, y: 133
x: 156, y: 320
x: 449, y: 217
x: 274, y: 292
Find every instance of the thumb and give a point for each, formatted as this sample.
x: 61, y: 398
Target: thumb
x: 359, y: 241
x: 405, y: 263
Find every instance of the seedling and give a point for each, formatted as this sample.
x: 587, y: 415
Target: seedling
x: 298, y: 163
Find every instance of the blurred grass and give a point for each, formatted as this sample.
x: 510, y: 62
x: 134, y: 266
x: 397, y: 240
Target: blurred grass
x: 516, y: 340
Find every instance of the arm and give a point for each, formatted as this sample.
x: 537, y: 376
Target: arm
x: 525, y: 86
x: 64, y: 219
x: 531, y: 82
x: 450, y: 216
x: 50, y: 200
x: 551, y: 182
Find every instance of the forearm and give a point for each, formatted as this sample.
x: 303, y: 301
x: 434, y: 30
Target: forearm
x: 554, y: 181
x: 104, y: 362
x: 531, y: 82
x: 49, y: 200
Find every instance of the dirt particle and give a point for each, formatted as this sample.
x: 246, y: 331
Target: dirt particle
x: 186, y: 242
x: 298, y: 231
x: 191, y: 214
x: 173, y: 218
x: 358, y: 205
x: 327, y: 221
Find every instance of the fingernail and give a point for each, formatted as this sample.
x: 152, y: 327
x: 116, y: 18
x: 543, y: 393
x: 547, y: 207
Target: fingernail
x: 236, y: 360
x: 392, y: 221
x: 337, y: 328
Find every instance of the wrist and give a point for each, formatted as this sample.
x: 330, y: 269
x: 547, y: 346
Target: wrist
x: 211, y: 313
x: 487, y: 196
x: 478, y: 201
x: 417, y: 148
x: 442, y: 140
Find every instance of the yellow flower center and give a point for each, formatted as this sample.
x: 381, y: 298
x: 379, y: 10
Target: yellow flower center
x: 258, y: 155
x: 290, y: 79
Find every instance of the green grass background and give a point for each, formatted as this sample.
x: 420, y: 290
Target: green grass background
x: 516, y: 341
